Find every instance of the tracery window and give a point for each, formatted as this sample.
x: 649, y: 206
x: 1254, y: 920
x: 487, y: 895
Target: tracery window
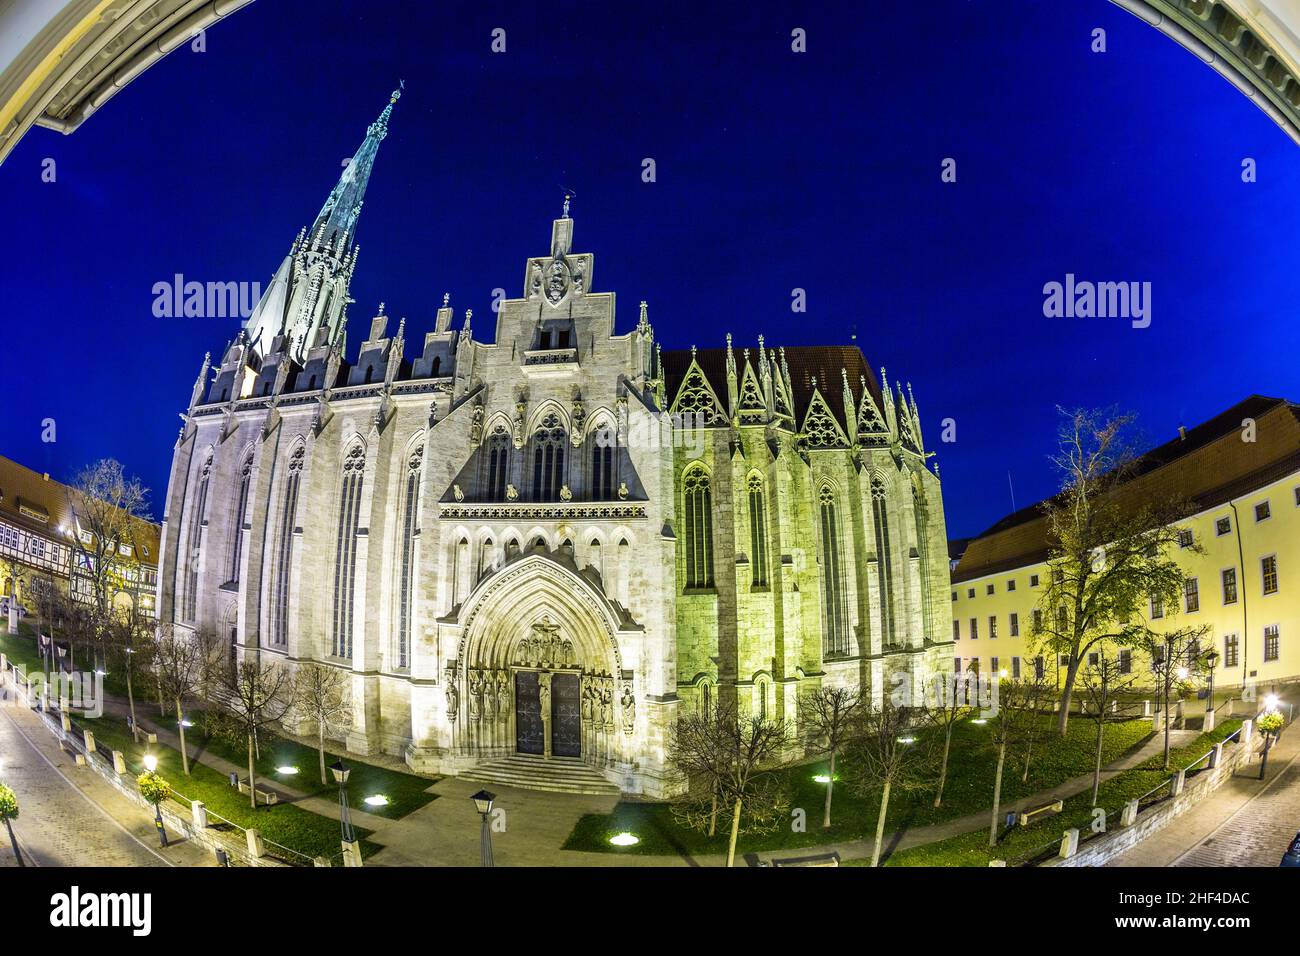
x: 758, y: 532
x: 548, y: 459
x: 345, y: 550
x: 410, y: 521
x: 833, y: 595
x: 603, y: 485
x: 237, y: 519
x: 284, y: 549
x: 923, y: 554
x: 498, y: 458
x: 190, y: 609
x: 697, y: 513
x: 884, y: 558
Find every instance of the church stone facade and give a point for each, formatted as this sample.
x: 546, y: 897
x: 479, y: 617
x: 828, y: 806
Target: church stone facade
x: 547, y: 545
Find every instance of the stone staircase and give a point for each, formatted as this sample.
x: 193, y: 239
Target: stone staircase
x: 557, y: 775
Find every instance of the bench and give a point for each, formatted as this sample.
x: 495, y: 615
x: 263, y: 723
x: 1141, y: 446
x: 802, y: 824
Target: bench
x: 268, y: 797
x: 823, y: 859
x: 1028, y: 816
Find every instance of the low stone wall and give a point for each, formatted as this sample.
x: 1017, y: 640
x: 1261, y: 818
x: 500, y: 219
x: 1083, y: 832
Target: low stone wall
x: 1135, y: 827
x: 195, y: 829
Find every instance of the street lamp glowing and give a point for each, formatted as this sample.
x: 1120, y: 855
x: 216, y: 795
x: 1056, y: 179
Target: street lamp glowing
x: 150, y: 762
x: 1003, y: 672
x: 625, y: 839
x: 1182, y: 673
x: 1271, y: 701
x: 341, y: 772
x: 483, y: 801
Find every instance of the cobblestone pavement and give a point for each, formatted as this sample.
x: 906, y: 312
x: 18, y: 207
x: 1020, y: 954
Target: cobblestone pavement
x: 1245, y: 822
x: 1259, y: 832
x: 67, y: 815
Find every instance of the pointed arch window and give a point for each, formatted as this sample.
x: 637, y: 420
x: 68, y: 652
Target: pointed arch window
x: 284, y: 549
x: 923, y: 554
x: 758, y: 532
x: 604, y: 483
x: 191, y: 606
x: 498, y: 460
x: 239, y: 515
x: 697, y: 512
x: 884, y: 558
x: 410, y: 529
x: 833, y: 596
x: 548, y: 459
x: 345, y: 551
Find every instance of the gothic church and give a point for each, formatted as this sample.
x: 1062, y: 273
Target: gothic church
x: 534, y: 551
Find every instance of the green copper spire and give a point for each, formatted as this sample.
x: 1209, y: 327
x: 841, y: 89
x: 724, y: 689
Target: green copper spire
x: 336, y: 225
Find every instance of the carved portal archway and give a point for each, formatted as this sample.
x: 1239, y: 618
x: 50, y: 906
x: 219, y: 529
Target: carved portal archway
x: 538, y: 669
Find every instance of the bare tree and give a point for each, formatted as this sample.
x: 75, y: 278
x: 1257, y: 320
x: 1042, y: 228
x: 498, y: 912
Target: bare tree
x: 132, y: 646
x: 1037, y: 692
x: 1103, y: 682
x: 827, y: 716
x: 1175, y: 655
x: 951, y: 705
x: 51, y: 607
x: 1010, y: 718
x: 735, y: 757
x: 1108, y: 549
x: 108, y: 508
x: 180, y: 668
x: 888, y: 754
x: 322, y: 695
x: 260, y: 696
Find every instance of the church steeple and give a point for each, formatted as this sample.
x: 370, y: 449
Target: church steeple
x: 305, y: 304
x: 337, y: 221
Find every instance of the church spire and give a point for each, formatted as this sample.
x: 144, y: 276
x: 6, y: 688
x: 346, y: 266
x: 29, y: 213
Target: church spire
x: 337, y: 221
x: 306, y: 301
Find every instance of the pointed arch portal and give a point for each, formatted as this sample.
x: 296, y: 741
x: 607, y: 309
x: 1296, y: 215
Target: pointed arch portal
x: 539, y: 669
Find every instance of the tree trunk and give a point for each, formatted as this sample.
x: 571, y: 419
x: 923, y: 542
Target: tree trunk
x: 830, y: 786
x: 252, y: 781
x: 130, y: 703
x: 880, y: 824
x: 735, y: 832
x: 713, y: 814
x: 13, y: 840
x: 1166, y: 726
x: 943, y: 767
x: 997, y: 796
x: 180, y: 728
x: 1067, y: 695
x: 321, y: 749
x: 1029, y: 753
x: 1096, y: 769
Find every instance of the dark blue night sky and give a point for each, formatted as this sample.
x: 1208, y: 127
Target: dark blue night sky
x: 775, y: 171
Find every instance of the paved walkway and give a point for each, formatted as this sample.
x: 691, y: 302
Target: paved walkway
x: 1246, y: 822
x: 534, y: 825
x: 68, y: 815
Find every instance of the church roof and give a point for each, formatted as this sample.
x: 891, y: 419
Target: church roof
x: 1209, y: 465
x: 37, y: 503
x: 806, y: 362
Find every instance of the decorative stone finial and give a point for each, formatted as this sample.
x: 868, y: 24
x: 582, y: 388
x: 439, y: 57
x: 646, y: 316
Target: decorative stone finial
x: 446, y: 299
x: 381, y: 309
x: 567, y: 198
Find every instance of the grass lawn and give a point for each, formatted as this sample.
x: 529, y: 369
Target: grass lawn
x: 405, y: 792
x: 21, y: 648
x: 1020, y: 846
x: 969, y: 789
x: 294, y: 827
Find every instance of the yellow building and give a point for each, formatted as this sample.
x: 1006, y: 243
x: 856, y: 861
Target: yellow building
x: 1241, y: 471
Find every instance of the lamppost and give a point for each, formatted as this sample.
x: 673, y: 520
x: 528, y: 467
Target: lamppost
x: 345, y: 816
x: 483, y: 803
x: 154, y: 789
x: 1212, y: 661
x: 1270, y: 723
